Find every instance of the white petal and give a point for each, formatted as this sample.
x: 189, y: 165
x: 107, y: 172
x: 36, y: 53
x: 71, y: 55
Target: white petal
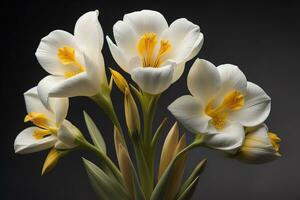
x: 66, y: 134
x: 188, y: 110
x: 45, y: 86
x: 185, y: 38
x: 178, y: 71
x: 34, y: 104
x: 146, y: 21
x: 126, y: 38
x: 153, y: 80
x: 203, y: 80
x: 46, y: 52
x: 89, y: 36
x: 232, y: 78
x: 119, y: 56
x: 26, y: 143
x: 229, y: 139
x: 256, y: 109
x: 79, y: 85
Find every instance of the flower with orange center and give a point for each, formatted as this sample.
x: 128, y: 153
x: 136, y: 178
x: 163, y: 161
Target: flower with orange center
x: 153, y: 52
x: 222, y: 102
x: 75, y: 62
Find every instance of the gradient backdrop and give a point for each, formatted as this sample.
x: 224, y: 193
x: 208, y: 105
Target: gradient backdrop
x: 262, y: 39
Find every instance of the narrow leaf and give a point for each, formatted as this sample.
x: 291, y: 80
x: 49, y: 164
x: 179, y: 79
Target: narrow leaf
x: 94, y: 132
x: 161, y: 187
x: 195, y: 173
x: 188, y: 192
x: 105, y: 187
x: 158, y: 132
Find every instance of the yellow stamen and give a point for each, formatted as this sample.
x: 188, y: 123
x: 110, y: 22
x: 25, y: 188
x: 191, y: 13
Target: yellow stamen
x: 42, y: 121
x: 274, y: 140
x: 41, y: 133
x: 233, y: 101
x: 146, y: 46
x: 66, y: 55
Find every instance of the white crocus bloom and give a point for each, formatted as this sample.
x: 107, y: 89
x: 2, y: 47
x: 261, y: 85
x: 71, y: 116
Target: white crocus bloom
x: 222, y: 102
x: 260, y: 145
x: 51, y: 128
x: 74, y: 61
x: 153, y: 52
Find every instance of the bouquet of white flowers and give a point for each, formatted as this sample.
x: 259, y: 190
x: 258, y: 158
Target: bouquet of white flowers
x: 224, y: 111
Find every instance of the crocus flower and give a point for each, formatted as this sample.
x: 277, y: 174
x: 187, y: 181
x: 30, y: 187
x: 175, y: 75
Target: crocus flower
x: 260, y: 145
x: 50, y: 130
x: 153, y: 52
x: 74, y: 62
x: 222, y: 102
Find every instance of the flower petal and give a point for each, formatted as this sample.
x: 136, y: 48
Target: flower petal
x: 178, y: 71
x: 189, y: 111
x: 256, y: 109
x: 146, y: 21
x: 232, y: 78
x: 153, y: 80
x: 126, y: 38
x: 45, y: 86
x: 46, y: 52
x: 186, y: 40
x: 89, y: 36
x: 26, y: 143
x: 203, y: 80
x: 34, y: 104
x: 119, y: 56
x: 229, y: 139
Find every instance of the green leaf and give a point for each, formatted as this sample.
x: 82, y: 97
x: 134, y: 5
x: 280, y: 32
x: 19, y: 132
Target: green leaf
x: 158, y: 132
x: 195, y: 173
x: 94, y: 133
x: 106, y: 188
x: 188, y: 192
x: 162, y: 185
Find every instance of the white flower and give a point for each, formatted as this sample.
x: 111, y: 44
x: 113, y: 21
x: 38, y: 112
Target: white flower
x: 222, y: 103
x: 260, y: 146
x: 74, y: 61
x: 153, y: 52
x: 51, y: 128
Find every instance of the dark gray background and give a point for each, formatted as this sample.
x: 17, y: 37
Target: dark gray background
x: 261, y: 38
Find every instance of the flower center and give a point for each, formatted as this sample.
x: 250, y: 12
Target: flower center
x: 274, y: 140
x: 48, y: 127
x: 66, y: 56
x: 146, y: 47
x: 233, y: 101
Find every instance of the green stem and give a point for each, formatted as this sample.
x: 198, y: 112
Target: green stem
x: 105, y: 103
x: 105, y: 159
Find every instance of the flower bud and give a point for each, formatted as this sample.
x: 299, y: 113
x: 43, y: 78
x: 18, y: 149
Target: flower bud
x: 51, y: 160
x: 260, y: 146
x: 131, y: 113
x: 119, y: 80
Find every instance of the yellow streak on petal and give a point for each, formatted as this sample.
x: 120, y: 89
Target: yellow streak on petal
x: 66, y: 56
x: 41, y: 133
x: 232, y: 101
x: 146, y: 47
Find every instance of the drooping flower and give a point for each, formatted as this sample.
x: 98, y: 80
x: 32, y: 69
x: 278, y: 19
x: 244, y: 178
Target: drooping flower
x: 51, y: 128
x: 153, y: 52
x: 222, y: 102
x: 74, y: 61
x: 260, y: 145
